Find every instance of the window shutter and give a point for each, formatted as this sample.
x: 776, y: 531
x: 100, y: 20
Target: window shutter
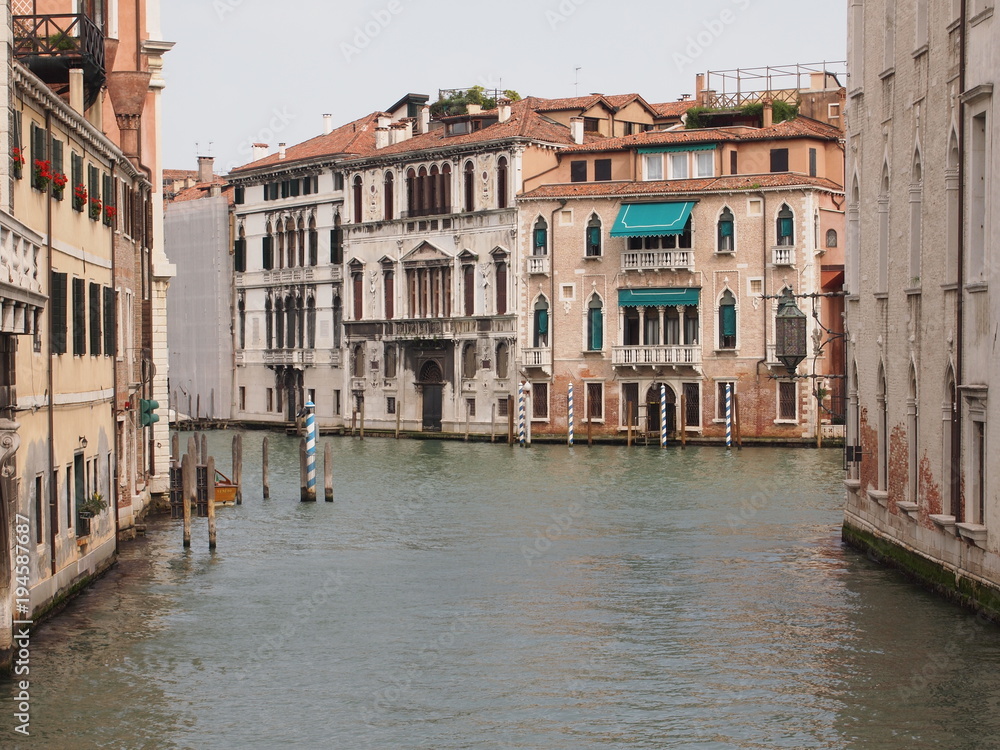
x: 578, y: 171
x: 784, y: 227
x: 95, y: 320
x: 594, y: 236
x: 540, y: 238
x: 240, y: 255
x: 109, y: 322
x: 57, y: 312
x: 79, y: 317
x: 596, y: 329
x: 779, y: 159
x: 602, y: 170
x: 294, y: 188
x: 16, y: 137
x: 266, y: 259
x: 726, y: 228
x: 37, y: 145
x: 542, y: 321
x: 57, y: 155
x: 728, y: 313
x: 239, y: 195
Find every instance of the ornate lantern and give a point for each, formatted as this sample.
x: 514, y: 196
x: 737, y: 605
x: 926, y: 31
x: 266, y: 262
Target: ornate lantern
x: 790, y: 327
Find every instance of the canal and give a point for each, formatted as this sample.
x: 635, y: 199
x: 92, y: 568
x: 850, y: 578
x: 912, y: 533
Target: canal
x: 475, y: 596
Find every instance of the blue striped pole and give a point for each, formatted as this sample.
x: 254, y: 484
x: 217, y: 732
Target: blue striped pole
x: 729, y: 415
x: 310, y: 450
x: 663, y: 415
x: 570, y: 436
x: 520, y: 414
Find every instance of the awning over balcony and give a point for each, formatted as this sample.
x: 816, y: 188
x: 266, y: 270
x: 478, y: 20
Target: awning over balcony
x: 652, y: 219
x: 654, y: 297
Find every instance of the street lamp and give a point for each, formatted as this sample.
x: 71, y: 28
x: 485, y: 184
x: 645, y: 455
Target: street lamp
x: 790, y: 329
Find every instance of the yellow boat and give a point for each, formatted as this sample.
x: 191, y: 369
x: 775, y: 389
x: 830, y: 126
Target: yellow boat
x: 225, y: 489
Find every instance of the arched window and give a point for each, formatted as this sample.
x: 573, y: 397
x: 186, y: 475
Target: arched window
x: 280, y: 235
x: 338, y: 319
x: 390, y: 361
x: 503, y: 359
x: 301, y: 242
x: 593, y: 237
x: 242, y: 307
x: 502, y: 182
x: 423, y: 194
x: 831, y: 237
x: 387, y: 197
x: 883, y: 232
x: 311, y: 322
x: 290, y: 315
x: 541, y: 323
x: 726, y: 240
x: 300, y: 322
x: 388, y: 282
x: 595, y: 324
x: 727, y: 321
x: 912, y: 436
x: 358, y: 361
x: 411, y: 193
x: 358, y: 290
x: 469, y: 185
x: 269, y: 323
x: 240, y: 252
x: 469, y: 361
x: 434, y: 190
x: 469, y: 289
x: 289, y: 243
x: 337, y: 242
x: 540, y: 244
x: 786, y: 226
x: 916, y: 216
x: 356, y: 199
x: 501, y: 287
x: 446, y: 189
x: 279, y: 323
x: 313, y: 242
x: 267, y: 249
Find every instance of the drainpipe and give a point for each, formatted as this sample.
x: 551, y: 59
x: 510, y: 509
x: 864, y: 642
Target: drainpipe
x: 766, y: 306
x: 113, y: 489
x: 552, y: 295
x: 956, y: 423
x: 53, y: 489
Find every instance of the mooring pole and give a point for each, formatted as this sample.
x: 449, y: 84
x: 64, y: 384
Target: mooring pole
x: 204, y: 448
x: 628, y: 419
x: 729, y: 415
x: 263, y: 470
x: 397, y: 418
x: 210, y: 465
x: 311, y: 451
x: 175, y: 447
x: 520, y: 414
x: 238, y: 466
x: 663, y: 415
x: 303, y: 471
x: 187, y: 479
x: 569, y: 416
x: 328, y: 472
x: 683, y: 420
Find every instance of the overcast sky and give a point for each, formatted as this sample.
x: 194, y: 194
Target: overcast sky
x: 249, y: 70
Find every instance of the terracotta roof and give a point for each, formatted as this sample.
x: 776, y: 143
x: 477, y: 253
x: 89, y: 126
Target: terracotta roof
x: 559, y: 105
x: 204, y: 190
x: 623, y: 100
x: 356, y: 137
x: 706, y: 184
x: 179, y: 174
x: 673, y: 109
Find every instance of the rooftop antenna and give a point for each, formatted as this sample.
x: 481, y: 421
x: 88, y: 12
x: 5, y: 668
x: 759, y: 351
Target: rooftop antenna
x: 576, y: 85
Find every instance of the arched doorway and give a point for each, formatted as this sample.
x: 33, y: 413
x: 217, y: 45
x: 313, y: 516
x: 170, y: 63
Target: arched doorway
x: 431, y: 383
x: 653, y: 409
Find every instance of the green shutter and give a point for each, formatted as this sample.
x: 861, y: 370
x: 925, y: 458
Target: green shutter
x: 540, y: 238
x: 784, y: 227
x: 38, y: 151
x: 594, y: 236
x: 95, y: 320
x: 596, y: 328
x: 79, y: 317
x: 725, y: 229
x: 57, y: 312
x: 109, y: 322
x: 728, y: 313
x: 266, y: 260
x: 240, y: 253
x: 542, y: 321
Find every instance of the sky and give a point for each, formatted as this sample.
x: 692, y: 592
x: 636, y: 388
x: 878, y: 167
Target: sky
x: 244, y: 71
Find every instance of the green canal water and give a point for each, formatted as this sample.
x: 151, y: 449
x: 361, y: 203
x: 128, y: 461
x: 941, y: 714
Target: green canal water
x: 475, y: 596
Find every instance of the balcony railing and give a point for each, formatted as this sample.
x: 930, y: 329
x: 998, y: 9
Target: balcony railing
x: 541, y: 357
x: 783, y: 255
x: 538, y: 264
x: 51, y: 44
x: 289, y: 357
x: 428, y: 328
x: 655, y: 260
x: 656, y: 355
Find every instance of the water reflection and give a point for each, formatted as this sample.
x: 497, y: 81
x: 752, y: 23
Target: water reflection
x: 459, y: 596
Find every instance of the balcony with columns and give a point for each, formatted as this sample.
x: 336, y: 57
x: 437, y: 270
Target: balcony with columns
x: 21, y: 296
x: 658, y: 336
x: 658, y: 260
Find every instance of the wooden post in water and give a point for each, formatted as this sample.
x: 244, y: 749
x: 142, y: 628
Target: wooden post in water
x: 361, y: 433
x: 354, y: 420
x: 204, y: 449
x: 187, y: 479
x: 510, y: 420
x: 397, y: 419
x: 192, y: 450
x: 737, y: 425
x: 175, y: 448
x: 628, y: 421
x: 590, y: 430
x: 493, y: 422
x: 303, y: 472
x: 210, y: 466
x: 466, y: 421
x: 267, y: 487
x: 328, y: 472
x: 238, y: 467
x: 683, y: 425
x: 819, y: 423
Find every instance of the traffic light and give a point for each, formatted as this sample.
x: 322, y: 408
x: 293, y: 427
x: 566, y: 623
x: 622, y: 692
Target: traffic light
x: 147, y: 412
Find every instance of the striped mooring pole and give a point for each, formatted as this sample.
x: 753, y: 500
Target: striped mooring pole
x: 569, y: 437
x: 663, y: 415
x: 520, y: 414
x: 729, y: 415
x: 310, y: 451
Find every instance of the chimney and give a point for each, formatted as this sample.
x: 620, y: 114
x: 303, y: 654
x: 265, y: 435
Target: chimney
x: 281, y: 150
x: 206, y: 168
x: 473, y: 109
x: 400, y: 131
x: 503, y: 107
x: 381, y: 136
x: 768, y: 114
x: 699, y: 88
x: 260, y: 151
x: 425, y: 119
x: 576, y: 129
x: 76, y: 89
x: 383, y: 120
x: 327, y: 124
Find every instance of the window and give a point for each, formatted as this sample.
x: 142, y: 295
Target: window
x: 469, y: 361
x: 978, y: 171
x: 540, y: 246
x: 591, y: 125
x: 540, y: 401
x: 831, y: 237
x: 595, y: 324
x: 356, y: 199
x: 726, y: 242
x: 883, y: 430
x: 108, y: 192
x: 541, y: 323
x: 469, y: 289
x: 357, y: 283
x: 57, y: 312
x: 358, y: 361
x: 338, y: 319
x: 578, y: 171
x: 502, y: 410
x: 705, y: 163
x: 470, y: 407
x: 593, y: 237
x: 679, y: 166
x: 389, y: 365
x: 786, y: 226
x: 779, y: 159
x: 337, y: 243
x: 39, y: 505
x: 503, y: 359
x: 109, y: 322
x: 653, y: 164
x: 243, y: 398
x: 692, y: 405
x: 469, y: 185
x: 76, y: 178
x: 239, y: 195
x: 602, y: 170
x: 269, y: 399
x: 94, y: 187
x: 387, y: 197
x: 390, y: 404
x: 38, y: 148
x: 630, y: 404
x: 595, y: 401
x: 336, y: 403
x: 388, y: 284
x: 787, y: 400
x: 812, y: 162
x: 313, y: 243
x: 733, y: 162
x: 95, y: 320
x: 240, y: 252
x: 267, y: 251
x: 502, y: 182
x: 57, y: 165
x: 79, y: 317
x: 501, y: 287
x: 722, y: 387
x: 727, y: 321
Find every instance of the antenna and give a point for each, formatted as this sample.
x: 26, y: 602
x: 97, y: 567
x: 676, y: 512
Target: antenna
x: 576, y: 84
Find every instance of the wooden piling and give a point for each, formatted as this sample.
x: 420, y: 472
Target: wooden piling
x: 192, y: 450
x: 204, y: 449
x: 510, y: 420
x: 397, y: 418
x: 190, y: 491
x: 267, y: 486
x: 328, y: 472
x: 175, y: 449
x: 303, y: 473
x: 683, y: 425
x: 493, y: 422
x: 238, y: 466
x: 211, y: 502
x: 590, y: 430
x: 354, y: 420
x: 361, y: 433
x: 628, y: 421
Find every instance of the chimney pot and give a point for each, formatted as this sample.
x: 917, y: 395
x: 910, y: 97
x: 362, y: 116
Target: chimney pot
x: 425, y: 119
x: 768, y: 114
x: 281, y: 150
x: 576, y: 129
x: 327, y: 124
x: 381, y: 137
x: 260, y: 151
x: 206, y: 168
x: 503, y: 108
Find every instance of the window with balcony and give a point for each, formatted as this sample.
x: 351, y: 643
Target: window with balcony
x: 540, y: 244
x: 595, y: 324
x: 726, y: 240
x: 786, y: 226
x: 593, y: 244
x: 727, y: 321
x: 540, y: 325
x: 666, y: 242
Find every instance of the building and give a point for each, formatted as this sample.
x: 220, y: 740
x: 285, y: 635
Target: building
x: 922, y: 315
x: 650, y: 262
x: 80, y: 241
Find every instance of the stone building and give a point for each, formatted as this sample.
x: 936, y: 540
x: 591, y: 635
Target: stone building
x: 922, y: 166
x: 648, y: 261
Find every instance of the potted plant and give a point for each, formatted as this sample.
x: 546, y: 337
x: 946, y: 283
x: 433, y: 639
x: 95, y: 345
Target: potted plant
x: 109, y: 215
x: 17, y: 161
x: 95, y: 208
x: 59, y: 181
x: 93, y: 506
x: 41, y: 175
x: 79, y: 197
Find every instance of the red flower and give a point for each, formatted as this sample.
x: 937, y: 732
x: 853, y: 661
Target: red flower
x: 59, y: 180
x: 17, y: 155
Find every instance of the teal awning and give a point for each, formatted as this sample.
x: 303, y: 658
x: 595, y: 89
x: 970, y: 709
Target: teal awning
x: 655, y: 297
x: 651, y: 219
x: 677, y: 148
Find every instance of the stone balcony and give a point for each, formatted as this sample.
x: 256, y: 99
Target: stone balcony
x: 783, y: 255
x: 658, y: 260
x: 656, y: 356
x: 419, y: 329
x: 21, y: 296
x: 537, y: 357
x: 538, y: 264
